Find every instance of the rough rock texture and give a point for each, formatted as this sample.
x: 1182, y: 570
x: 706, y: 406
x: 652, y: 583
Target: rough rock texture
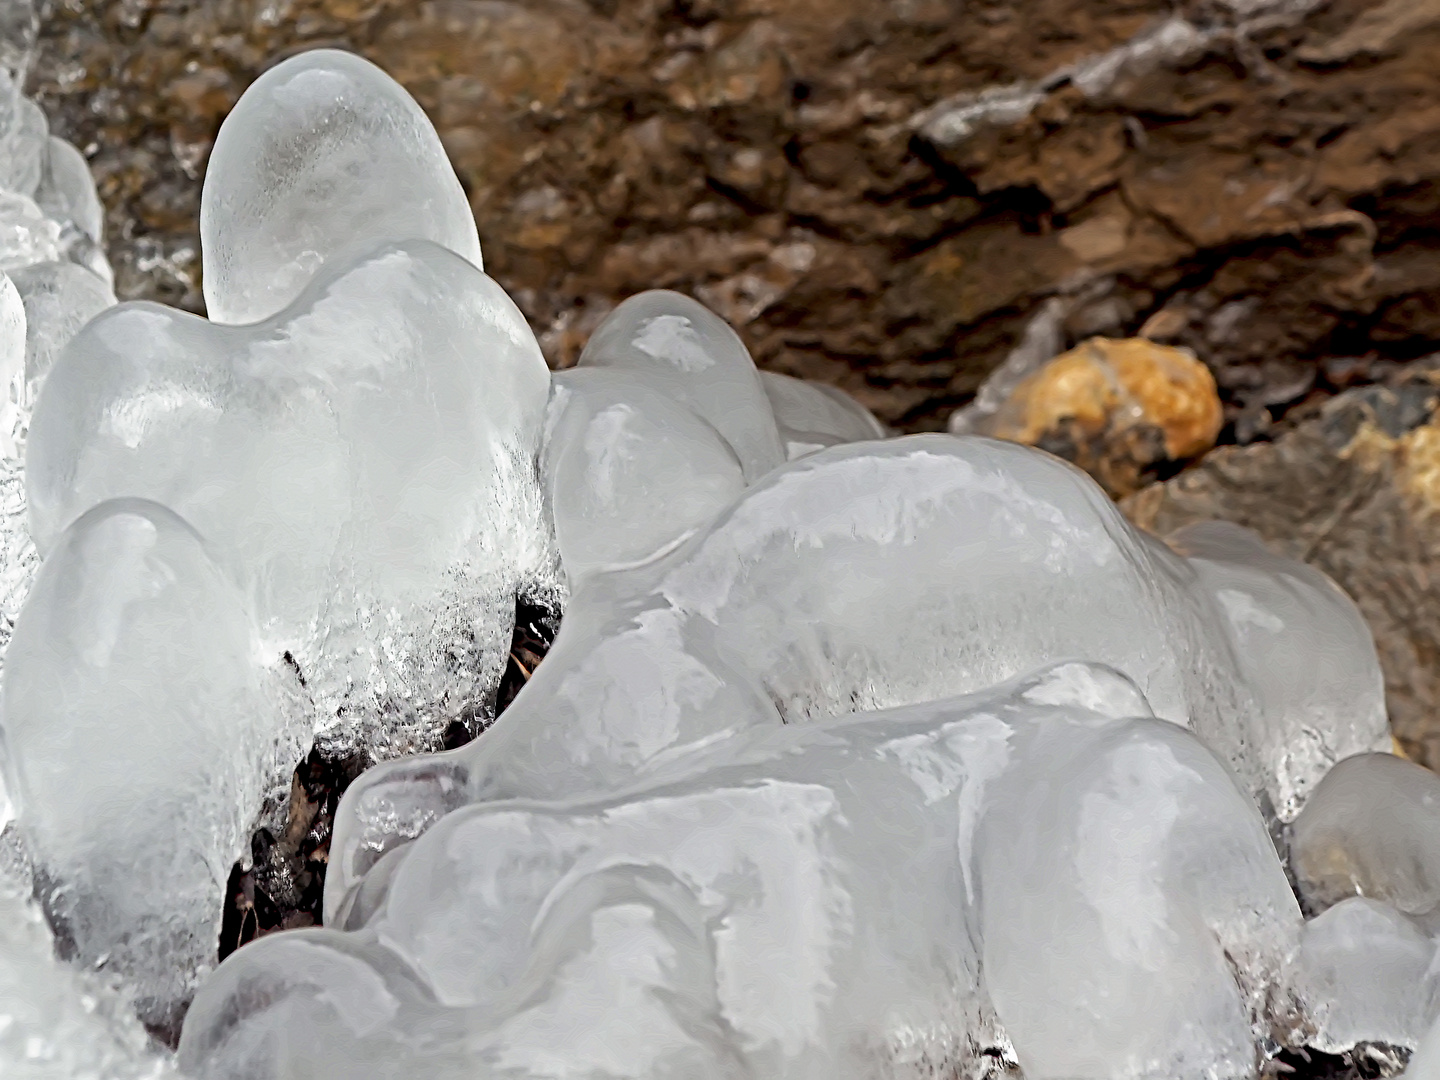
x: 1122, y: 410
x: 880, y: 196
x: 1354, y: 491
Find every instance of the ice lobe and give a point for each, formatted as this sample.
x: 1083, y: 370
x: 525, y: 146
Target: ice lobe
x: 752, y: 913
x: 683, y: 349
x: 1372, y: 828
x: 1303, y: 646
x: 813, y: 416
x: 141, y: 735
x: 364, y: 462
x: 323, y: 153
x: 864, y: 576
x: 1367, y: 973
x: 629, y: 472
x: 1127, y: 885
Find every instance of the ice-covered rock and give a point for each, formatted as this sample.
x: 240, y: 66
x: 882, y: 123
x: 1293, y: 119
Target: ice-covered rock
x: 685, y: 350
x: 323, y: 153
x: 1366, y: 973
x: 629, y: 472
x: 813, y: 416
x: 1372, y: 828
x: 1303, y: 647
x: 364, y: 463
x: 57, y: 1022
x: 141, y: 735
x: 821, y: 901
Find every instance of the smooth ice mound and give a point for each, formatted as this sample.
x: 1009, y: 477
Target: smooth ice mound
x: 1372, y: 828
x: 322, y: 154
x: 364, y: 462
x: 868, y: 576
x: 629, y: 472
x: 812, y: 416
x: 140, y: 736
x: 684, y: 350
x: 752, y: 913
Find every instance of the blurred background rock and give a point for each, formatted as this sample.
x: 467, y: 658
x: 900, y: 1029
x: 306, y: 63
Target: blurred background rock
x: 897, y: 197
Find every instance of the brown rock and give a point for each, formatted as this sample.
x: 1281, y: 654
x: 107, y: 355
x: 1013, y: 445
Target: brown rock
x: 1355, y: 491
x: 1266, y: 181
x: 1121, y: 410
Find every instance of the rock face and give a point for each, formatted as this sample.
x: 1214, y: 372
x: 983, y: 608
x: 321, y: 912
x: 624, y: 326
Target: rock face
x: 1120, y: 409
x: 879, y: 196
x: 1355, y: 492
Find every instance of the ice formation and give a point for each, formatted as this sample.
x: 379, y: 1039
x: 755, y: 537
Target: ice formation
x: 1372, y: 828
x: 364, y: 462
x: 324, y: 154
x: 141, y: 737
x: 854, y: 756
x: 752, y: 913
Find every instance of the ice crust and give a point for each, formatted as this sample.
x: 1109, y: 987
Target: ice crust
x: 854, y: 757
x: 752, y: 913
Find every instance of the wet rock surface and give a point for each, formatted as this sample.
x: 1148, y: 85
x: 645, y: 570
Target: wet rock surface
x: 879, y: 197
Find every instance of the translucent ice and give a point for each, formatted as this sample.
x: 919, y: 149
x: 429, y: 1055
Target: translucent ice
x: 813, y: 416
x: 323, y: 153
x: 1303, y: 647
x: 141, y: 737
x: 1425, y: 1063
x: 1372, y: 828
x: 629, y: 472
x: 1367, y: 973
x: 56, y: 1022
x: 685, y: 350
x: 811, y: 901
x: 59, y: 299
x: 364, y: 462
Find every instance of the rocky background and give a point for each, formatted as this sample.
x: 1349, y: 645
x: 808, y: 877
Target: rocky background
x: 895, y: 197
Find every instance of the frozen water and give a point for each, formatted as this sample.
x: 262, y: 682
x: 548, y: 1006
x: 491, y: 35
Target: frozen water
x: 813, y: 416
x: 1125, y: 885
x: 56, y: 1022
x: 629, y: 472
x: 864, y: 576
x: 141, y: 737
x: 751, y: 912
x: 1425, y: 1062
x: 60, y: 298
x: 685, y: 350
x: 1367, y: 973
x: 364, y: 462
x: 1372, y: 828
x: 323, y: 153
x: 1303, y: 646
